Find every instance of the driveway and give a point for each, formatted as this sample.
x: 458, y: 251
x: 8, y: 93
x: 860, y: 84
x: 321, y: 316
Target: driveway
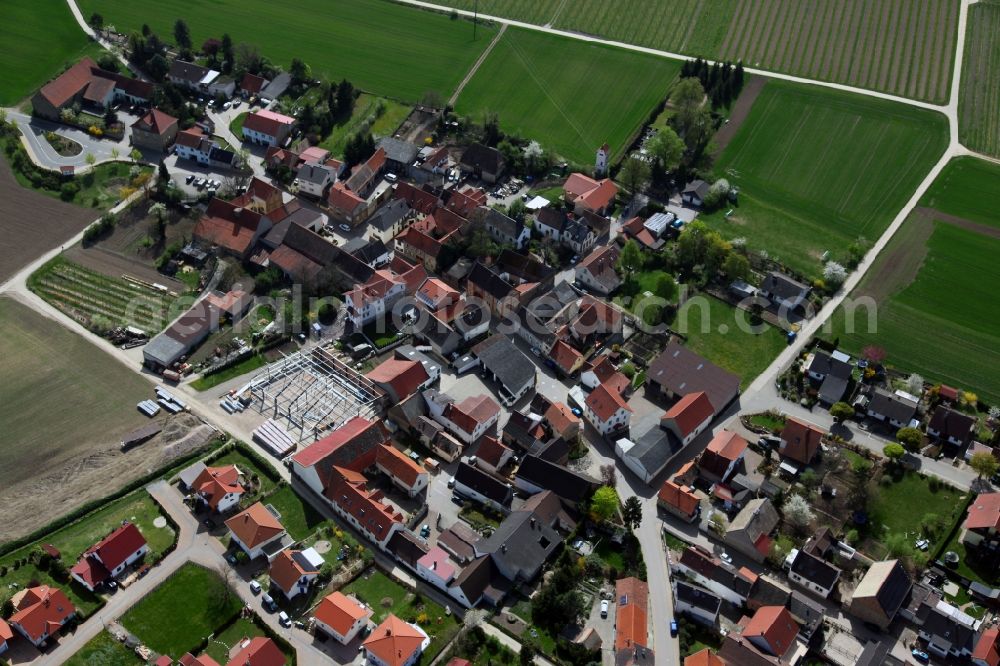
x: 34, y: 130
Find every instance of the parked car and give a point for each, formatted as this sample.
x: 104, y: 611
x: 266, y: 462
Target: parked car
x: 451, y: 482
x: 604, y: 607
x: 189, y: 178
x: 922, y: 544
x: 255, y: 587
x: 576, y: 411
x: 673, y: 628
x: 920, y: 655
x: 284, y: 619
x: 268, y: 603
x: 425, y: 531
x: 344, y: 227
x: 726, y: 557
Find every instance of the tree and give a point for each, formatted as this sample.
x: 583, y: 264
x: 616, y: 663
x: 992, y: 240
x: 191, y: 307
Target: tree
x: 634, y: 174
x: 90, y: 159
x: 630, y: 259
x: 227, y: 53
x: 527, y: 655
x: 517, y: 210
x: 893, y: 451
x: 224, y: 591
x: 491, y: 129
x: 797, y: 512
x: 182, y: 36
x: 667, y: 147
x: 666, y: 287
x: 632, y: 512
x: 345, y: 97
x: 910, y: 438
x: 604, y: 504
x: 736, y: 267
x: 874, y: 354
x: 299, y: 71
x: 717, y: 523
x: 915, y: 384
x: 96, y: 21
x: 718, y: 193
x: 692, y: 121
x: 834, y: 274
x: 984, y: 463
x: 135, y: 155
x: 157, y: 67
x: 247, y: 58
x: 841, y: 411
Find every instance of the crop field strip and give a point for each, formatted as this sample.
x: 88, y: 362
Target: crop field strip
x: 839, y: 162
x: 903, y: 47
x: 85, y: 294
x: 979, y: 101
x: 538, y: 83
x: 382, y: 47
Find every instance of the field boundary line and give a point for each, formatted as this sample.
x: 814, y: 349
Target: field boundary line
x: 475, y: 66
x: 943, y: 108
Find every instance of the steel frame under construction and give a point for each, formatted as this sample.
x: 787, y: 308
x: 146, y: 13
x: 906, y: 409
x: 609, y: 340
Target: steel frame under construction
x: 310, y: 393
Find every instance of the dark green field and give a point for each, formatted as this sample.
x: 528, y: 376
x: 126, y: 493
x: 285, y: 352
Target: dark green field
x: 381, y: 47
x: 40, y: 38
x: 569, y: 96
x: 978, y: 105
x: 968, y: 188
x: 818, y: 169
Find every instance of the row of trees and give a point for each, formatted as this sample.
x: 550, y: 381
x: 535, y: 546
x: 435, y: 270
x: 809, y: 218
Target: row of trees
x: 722, y: 81
x: 333, y: 104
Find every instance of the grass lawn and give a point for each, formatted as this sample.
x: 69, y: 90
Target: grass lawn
x: 934, y: 320
x: 537, y: 84
x: 967, y: 188
x: 886, y: 508
x: 721, y: 333
x: 673, y: 542
x: 299, y: 517
x: 187, y: 607
x: 248, y: 364
x: 611, y: 553
x: 383, y: 48
x: 374, y: 587
x: 40, y: 40
x: 773, y: 422
x: 236, y: 124
x: 818, y: 168
x: 218, y: 648
x: 382, y: 115
x: 545, y: 641
x: 631, y: 295
x: 103, y: 650
x: 472, y: 514
x: 380, y: 338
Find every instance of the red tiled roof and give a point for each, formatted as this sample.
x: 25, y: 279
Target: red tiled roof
x: 252, y: 83
x: 679, y: 496
x: 727, y: 444
x: 437, y: 292
x: 155, y: 121
x: 986, y: 647
x: 255, y: 525
x: 690, y: 412
x: 984, y: 512
x: 607, y: 375
x: 259, y: 651
x: 632, y: 599
x: 348, y: 489
x: 421, y: 243
x: 91, y: 571
x: 703, y: 657
x: 564, y: 356
x: 342, y: 198
x: 286, y: 571
x: 6, y: 633
x: 115, y: 548
x: 394, y: 642
x: 472, y: 411
x: 398, y: 465
x: 214, y: 483
x: 605, y: 403
x: 775, y: 625
x: 601, y: 196
x: 491, y: 450
x: 801, y: 440
x: 41, y: 610
x: 420, y: 200
x: 229, y: 226
x: 277, y: 155
x: 561, y: 417
x: 332, y: 443
x: 763, y: 544
x: 578, y: 184
x: 267, y: 122
x: 191, y: 660
x: 59, y: 90
x: 190, y: 138
x: 404, y: 376
x: 340, y: 612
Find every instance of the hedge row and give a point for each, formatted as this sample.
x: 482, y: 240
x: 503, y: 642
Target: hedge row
x: 93, y: 505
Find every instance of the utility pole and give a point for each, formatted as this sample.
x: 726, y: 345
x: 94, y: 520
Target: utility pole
x: 475, y: 20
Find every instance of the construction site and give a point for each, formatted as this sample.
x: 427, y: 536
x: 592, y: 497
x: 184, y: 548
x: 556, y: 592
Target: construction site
x: 303, y: 397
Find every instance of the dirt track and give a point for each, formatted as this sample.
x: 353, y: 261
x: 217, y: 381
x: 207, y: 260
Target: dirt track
x: 740, y: 112
x: 968, y: 225
x: 33, y: 223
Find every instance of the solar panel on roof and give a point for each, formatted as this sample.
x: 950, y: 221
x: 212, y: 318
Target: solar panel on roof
x: 623, y: 601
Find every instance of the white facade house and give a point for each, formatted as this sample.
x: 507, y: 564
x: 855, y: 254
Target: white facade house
x: 313, y: 179
x: 341, y: 617
x: 606, y: 410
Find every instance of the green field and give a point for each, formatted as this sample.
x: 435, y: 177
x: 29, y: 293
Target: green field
x: 184, y: 609
x: 818, y: 168
x: 101, y: 302
x: 941, y: 323
x: 382, y: 116
x: 968, y: 188
x: 103, y: 650
x: 979, y: 111
x: 569, y: 96
x: 713, y: 331
x: 381, y: 47
x: 906, y: 48
x: 40, y: 39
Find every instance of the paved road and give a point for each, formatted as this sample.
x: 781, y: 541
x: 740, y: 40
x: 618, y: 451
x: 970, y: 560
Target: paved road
x: 45, y: 156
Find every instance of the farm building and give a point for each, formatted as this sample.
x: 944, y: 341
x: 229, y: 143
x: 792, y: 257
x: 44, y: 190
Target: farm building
x: 192, y: 327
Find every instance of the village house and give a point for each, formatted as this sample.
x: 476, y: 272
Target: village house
x: 750, y: 531
x: 696, y: 603
x: 677, y: 497
x: 482, y: 162
x: 771, y: 630
x: 881, y: 593
x: 436, y: 568
x: 694, y: 193
x: 632, y: 638
x: 982, y: 523
x: 40, y: 612
x: 251, y: 85
x: 267, y: 128
x: 678, y: 371
x: 783, y: 292
x: 536, y: 475
x: 521, y: 545
x: 257, y: 532
x: 302, y: 255
x: 89, y: 86
x: 566, y: 229
x: 707, y: 571
x: 833, y: 372
x: 506, y: 365
x: 200, y: 79
x: 312, y: 179
x: 346, y: 206
x: 364, y: 177
x: 722, y: 456
x: 606, y: 410
x: 479, y: 486
x: 588, y: 195
x: 218, y: 488
x: 406, y: 474
x: 293, y: 571
x: 952, y: 427
x: 110, y: 556
x: 154, y: 131
x: 689, y: 416
x: 341, y: 617
x: 800, y: 441
x: 232, y: 228
x: 194, y: 144
x: 467, y: 420
x: 399, y: 378
x: 597, y: 271
x: 892, y: 408
x: 812, y: 572
x: 395, y: 643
